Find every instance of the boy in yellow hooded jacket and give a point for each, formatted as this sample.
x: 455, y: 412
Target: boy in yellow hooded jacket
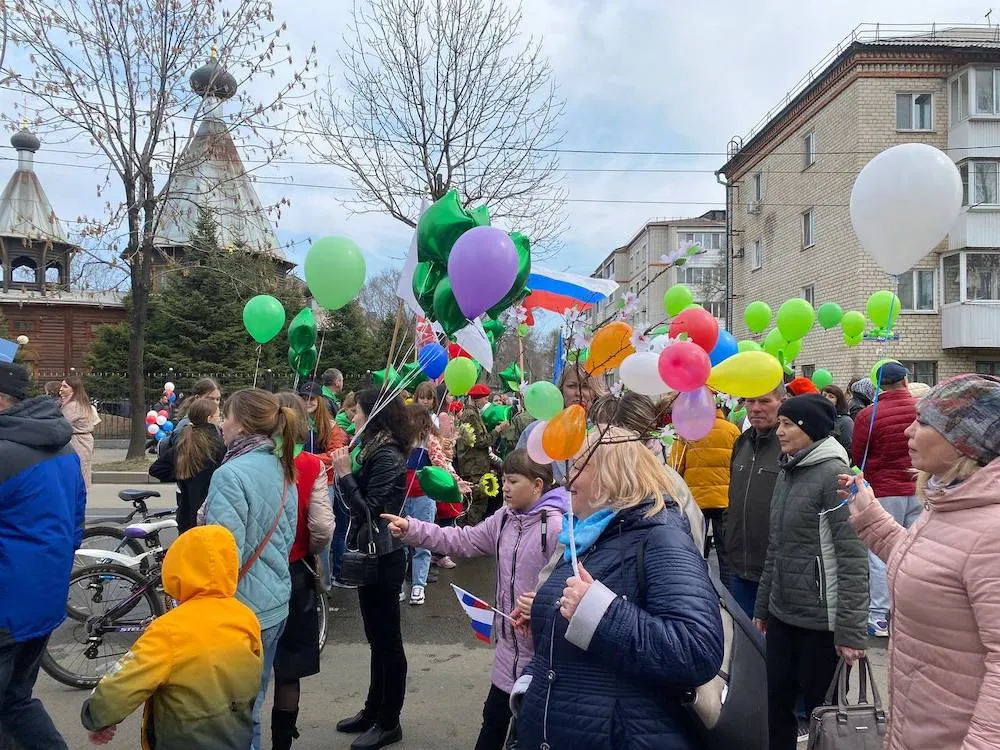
x: 196, y: 668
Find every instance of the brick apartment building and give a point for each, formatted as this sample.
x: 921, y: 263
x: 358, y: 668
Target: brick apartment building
x: 789, y: 185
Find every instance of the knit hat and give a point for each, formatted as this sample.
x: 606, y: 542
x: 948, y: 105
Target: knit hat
x: 966, y: 411
x: 813, y: 413
x: 479, y: 391
x: 864, y: 388
x: 801, y: 385
x: 13, y: 380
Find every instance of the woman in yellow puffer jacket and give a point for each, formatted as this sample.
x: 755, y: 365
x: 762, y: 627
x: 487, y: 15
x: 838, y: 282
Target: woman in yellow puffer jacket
x: 704, y: 464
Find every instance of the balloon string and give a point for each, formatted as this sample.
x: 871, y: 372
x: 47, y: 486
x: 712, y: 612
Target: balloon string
x: 319, y: 354
x: 572, y: 534
x: 256, y: 368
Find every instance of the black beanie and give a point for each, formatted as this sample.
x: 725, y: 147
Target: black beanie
x: 813, y: 413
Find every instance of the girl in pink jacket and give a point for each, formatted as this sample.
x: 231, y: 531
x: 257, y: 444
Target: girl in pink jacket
x: 522, y: 535
x: 944, y: 573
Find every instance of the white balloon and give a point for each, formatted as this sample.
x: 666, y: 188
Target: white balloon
x: 161, y: 420
x: 152, y: 429
x: 640, y: 373
x: 659, y: 343
x: 152, y: 414
x: 904, y: 202
x: 168, y: 386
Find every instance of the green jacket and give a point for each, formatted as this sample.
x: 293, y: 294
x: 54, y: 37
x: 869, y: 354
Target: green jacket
x: 472, y: 445
x: 816, y: 573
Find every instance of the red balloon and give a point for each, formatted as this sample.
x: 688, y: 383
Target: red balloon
x: 150, y: 420
x: 700, y: 326
x: 163, y: 413
x: 684, y: 366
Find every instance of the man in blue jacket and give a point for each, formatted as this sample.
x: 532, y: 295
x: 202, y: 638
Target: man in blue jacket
x: 42, y: 501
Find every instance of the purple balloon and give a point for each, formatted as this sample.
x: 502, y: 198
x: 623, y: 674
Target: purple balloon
x: 482, y: 268
x: 694, y: 414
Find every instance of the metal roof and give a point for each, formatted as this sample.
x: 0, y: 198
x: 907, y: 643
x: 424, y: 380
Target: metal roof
x: 25, y: 211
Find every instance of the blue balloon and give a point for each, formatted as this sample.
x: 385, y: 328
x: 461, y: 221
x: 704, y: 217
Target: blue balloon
x: 173, y: 397
x: 725, y: 347
x: 433, y: 359
x: 168, y: 427
x: 160, y: 435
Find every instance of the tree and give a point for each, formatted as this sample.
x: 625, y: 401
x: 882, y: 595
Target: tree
x: 195, y: 319
x: 354, y: 344
x: 114, y: 73
x: 378, y: 297
x: 443, y: 94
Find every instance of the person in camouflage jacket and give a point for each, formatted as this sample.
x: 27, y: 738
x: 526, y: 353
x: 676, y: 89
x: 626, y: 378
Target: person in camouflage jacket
x: 473, y: 451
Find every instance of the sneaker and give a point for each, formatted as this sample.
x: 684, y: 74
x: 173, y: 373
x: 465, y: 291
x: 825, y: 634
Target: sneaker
x: 878, y: 629
x: 447, y: 563
x: 803, y: 736
x: 342, y: 585
x: 417, y: 595
x: 402, y: 593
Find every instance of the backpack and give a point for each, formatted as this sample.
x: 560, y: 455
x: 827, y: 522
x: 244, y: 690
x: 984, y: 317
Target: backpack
x: 726, y: 711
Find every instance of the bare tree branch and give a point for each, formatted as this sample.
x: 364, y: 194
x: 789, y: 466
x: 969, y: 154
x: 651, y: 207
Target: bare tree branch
x: 446, y: 89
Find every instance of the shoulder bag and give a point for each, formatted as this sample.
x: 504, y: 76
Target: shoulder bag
x: 359, y: 567
x: 838, y: 725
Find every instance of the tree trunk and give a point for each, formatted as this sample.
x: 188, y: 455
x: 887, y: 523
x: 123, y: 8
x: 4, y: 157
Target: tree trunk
x: 141, y: 277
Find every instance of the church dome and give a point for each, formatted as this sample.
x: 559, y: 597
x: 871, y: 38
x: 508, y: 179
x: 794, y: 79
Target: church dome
x: 211, y: 79
x: 25, y: 140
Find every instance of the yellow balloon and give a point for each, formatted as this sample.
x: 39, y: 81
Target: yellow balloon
x: 746, y: 375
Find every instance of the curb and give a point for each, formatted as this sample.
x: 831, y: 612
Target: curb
x: 122, y: 477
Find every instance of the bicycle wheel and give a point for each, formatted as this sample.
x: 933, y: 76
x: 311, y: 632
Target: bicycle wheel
x: 323, y: 603
x: 89, y: 641
x: 111, y: 538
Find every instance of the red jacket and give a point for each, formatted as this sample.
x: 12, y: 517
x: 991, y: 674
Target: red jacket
x: 310, y: 484
x: 888, y: 465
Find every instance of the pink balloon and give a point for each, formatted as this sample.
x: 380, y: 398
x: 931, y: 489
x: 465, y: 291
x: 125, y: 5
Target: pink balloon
x: 684, y: 366
x: 534, y: 447
x: 693, y: 414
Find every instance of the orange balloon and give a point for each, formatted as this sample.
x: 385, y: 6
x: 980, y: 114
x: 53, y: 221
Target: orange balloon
x: 565, y: 433
x: 611, y: 345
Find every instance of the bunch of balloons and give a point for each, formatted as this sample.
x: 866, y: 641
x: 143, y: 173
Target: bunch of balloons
x: 158, y: 424
x: 466, y: 267
x: 168, y: 391
x: 302, y: 354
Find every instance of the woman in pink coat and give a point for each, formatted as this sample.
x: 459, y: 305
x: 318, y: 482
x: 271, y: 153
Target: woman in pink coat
x: 944, y: 573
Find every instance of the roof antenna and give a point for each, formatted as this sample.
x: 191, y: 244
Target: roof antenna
x: 988, y: 14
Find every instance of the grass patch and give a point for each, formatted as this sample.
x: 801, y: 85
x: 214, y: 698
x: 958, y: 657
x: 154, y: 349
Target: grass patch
x: 135, y: 464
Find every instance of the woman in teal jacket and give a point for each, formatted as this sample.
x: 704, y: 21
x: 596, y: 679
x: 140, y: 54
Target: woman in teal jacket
x: 250, y: 495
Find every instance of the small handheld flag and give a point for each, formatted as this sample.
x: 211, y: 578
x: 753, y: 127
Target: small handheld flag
x: 479, y: 612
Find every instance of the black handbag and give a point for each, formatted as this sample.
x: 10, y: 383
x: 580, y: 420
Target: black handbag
x: 359, y: 567
x: 839, y: 725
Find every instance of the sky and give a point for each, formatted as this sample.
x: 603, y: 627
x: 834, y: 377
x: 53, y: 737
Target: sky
x: 680, y: 79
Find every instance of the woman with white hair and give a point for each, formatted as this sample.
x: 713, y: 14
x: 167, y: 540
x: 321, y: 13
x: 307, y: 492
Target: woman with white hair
x: 619, y: 640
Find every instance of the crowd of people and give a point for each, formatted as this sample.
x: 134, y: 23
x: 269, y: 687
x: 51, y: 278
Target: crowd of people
x: 836, y: 516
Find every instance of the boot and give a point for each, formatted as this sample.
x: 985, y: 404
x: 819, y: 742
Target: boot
x: 283, y: 729
x: 360, y: 722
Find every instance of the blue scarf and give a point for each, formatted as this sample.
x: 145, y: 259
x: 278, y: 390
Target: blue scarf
x: 585, y: 532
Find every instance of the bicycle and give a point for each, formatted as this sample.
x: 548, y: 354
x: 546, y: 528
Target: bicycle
x: 112, y: 537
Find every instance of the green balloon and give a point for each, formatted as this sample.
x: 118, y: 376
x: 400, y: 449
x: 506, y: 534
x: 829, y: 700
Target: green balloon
x: 495, y: 327
x: 439, y: 485
x: 829, y: 315
x: 822, y: 378
x: 494, y: 414
x: 302, y: 331
x: 522, y: 330
x: 782, y: 350
x: 523, y: 246
x: 410, y: 375
x: 380, y: 377
x: 335, y: 271
x: 440, y: 226
x: 304, y: 362
x: 263, y: 317
x: 795, y: 318
x: 460, y: 375
x: 511, y: 377
x: 480, y: 215
x: 446, y: 309
x: 543, y: 400
x: 749, y: 346
x: 425, y: 280
x: 757, y: 316
x: 883, y: 309
x: 677, y: 298
x: 853, y: 325
x: 851, y: 341
x: 737, y: 416
x: 792, y: 350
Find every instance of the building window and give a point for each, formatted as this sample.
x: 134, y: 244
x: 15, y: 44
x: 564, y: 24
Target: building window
x: 987, y: 89
x: 914, y: 112
x: 922, y: 371
x: 809, y: 294
x: 982, y: 274
x: 758, y: 187
x: 718, y: 309
x: 809, y: 228
x: 24, y: 325
x: 700, y: 275
x: 757, y: 260
x: 982, y: 189
x: 809, y: 149
x: 916, y: 290
x: 959, y: 91
x: 951, y: 268
x: 610, y: 270
x: 988, y: 368
x: 704, y: 240
x: 808, y: 371
x: 963, y: 171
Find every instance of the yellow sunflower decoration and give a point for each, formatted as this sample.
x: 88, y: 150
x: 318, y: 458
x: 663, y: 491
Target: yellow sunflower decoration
x: 489, y: 484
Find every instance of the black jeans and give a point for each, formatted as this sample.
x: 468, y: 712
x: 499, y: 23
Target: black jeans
x: 22, y: 717
x: 716, y: 518
x: 496, y: 720
x: 800, y: 662
x: 380, y: 613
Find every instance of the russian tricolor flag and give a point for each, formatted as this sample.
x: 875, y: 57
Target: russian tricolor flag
x: 558, y: 291
x: 479, y: 612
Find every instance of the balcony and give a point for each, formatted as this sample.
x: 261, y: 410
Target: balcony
x: 976, y: 227
x: 976, y: 138
x: 970, y: 325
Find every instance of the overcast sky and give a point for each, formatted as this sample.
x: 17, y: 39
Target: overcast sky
x: 637, y: 75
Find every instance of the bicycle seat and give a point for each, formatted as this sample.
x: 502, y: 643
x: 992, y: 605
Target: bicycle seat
x: 132, y: 496
x: 142, y: 530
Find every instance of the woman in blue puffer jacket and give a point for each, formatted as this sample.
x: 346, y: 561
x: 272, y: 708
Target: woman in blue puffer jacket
x: 613, y: 657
